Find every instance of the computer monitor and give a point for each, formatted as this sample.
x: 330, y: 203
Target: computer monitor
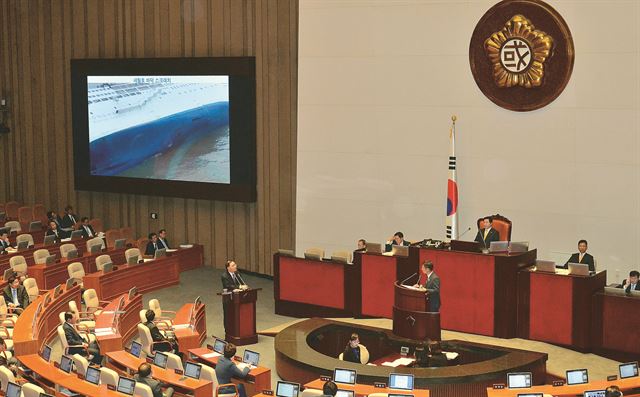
x: 577, y: 376
x: 132, y: 293
x: 219, y: 345
x: 499, y: 246
x: 518, y: 246
x: 530, y: 395
x: 69, y: 283
x: 313, y: 256
x: 22, y: 245
x: 72, y: 254
x: 133, y: 259
x: 95, y: 248
x: 345, y: 393
x: 595, y: 393
x: 628, y: 370
x: 136, y: 348
x: 76, y: 235
x: 65, y: 363
x: 8, y: 274
x: 51, y: 259
x: 578, y: 269
x: 46, y: 353
x: 13, y: 390
x: 4, y: 230
x: 545, y: 266
x: 160, y: 253
x: 92, y: 375
x: 107, y: 268
x: 517, y: 380
x: 35, y: 226
x: 401, y: 381
x: 3, y: 216
x: 192, y: 370
x: 251, y: 357
x: 126, y: 386
x: 160, y: 360
x: 341, y: 375
x: 399, y: 250
x: 119, y: 243
x: 57, y: 291
x: 374, y: 248
x: 287, y: 389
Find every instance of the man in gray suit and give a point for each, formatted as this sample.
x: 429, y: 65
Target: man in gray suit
x: 144, y: 376
x: 432, y: 285
x: 227, y: 369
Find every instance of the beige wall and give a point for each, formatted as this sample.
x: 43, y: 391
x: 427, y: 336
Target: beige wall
x: 378, y: 83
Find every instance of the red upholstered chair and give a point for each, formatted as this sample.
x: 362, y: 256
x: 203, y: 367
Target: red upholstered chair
x: 25, y: 216
x: 40, y: 214
x: 96, y: 223
x: 141, y: 243
x: 112, y: 236
x: 127, y: 233
x: 11, y: 208
x: 501, y: 224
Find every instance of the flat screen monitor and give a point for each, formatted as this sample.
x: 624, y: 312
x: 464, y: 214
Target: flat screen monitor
x: 160, y: 253
x: 119, y: 243
x: 4, y: 230
x: 374, y: 248
x: 341, y: 375
x: 95, y: 248
x: 13, y: 390
x: 250, y: 357
x: 345, y: 393
x: 132, y: 293
x: 181, y: 127
x: 399, y: 250
x: 72, y: 254
x: 22, y: 245
x: 192, y: 370
x: 57, y: 291
x: 499, y: 246
x: 517, y: 380
x: 92, y: 375
x: 136, y: 348
x: 577, y: 376
x: 46, y: 353
x: 7, y: 274
x: 218, y: 346
x: 35, y: 225
x: 133, y: 259
x: 628, y: 370
x: 51, y: 259
x: 530, y: 395
x: 595, y: 393
x: 401, y: 381
x: 65, y: 363
x: 107, y: 267
x: 518, y: 246
x: 312, y: 256
x: 69, y: 283
x: 578, y: 269
x: 76, y: 235
x: 160, y: 360
x: 287, y: 389
x: 126, y: 386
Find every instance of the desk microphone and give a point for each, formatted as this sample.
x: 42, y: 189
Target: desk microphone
x: 406, y: 279
x: 240, y: 278
x: 463, y: 233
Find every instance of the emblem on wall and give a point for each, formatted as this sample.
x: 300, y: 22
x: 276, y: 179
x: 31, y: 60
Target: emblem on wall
x: 521, y: 54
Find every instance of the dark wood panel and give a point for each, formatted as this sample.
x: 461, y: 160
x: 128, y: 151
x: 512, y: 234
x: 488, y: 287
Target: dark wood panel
x: 37, y: 40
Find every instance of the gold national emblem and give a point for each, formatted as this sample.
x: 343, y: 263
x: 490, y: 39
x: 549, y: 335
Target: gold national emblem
x: 517, y: 53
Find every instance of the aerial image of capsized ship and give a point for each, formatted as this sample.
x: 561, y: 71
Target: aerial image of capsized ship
x: 160, y: 127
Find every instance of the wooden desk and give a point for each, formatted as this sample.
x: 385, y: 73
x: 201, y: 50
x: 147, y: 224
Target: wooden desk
x: 127, y: 323
x: 124, y: 362
x: 629, y: 385
x: 364, y: 390
x: 190, y: 258
x: 556, y: 307
x: 190, y: 338
x: 81, y: 246
x: 38, y: 236
x: 616, y: 326
x: 257, y: 380
x: 147, y: 276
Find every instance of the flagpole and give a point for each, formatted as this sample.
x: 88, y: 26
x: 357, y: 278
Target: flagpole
x: 452, y: 186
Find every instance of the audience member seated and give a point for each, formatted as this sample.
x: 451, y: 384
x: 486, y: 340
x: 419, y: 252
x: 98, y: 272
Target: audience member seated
x: 329, y: 389
x: 582, y: 257
x: 422, y: 358
x: 162, y: 239
x: 69, y: 219
x: 436, y: 357
x: 613, y: 391
x: 631, y: 283
x: 171, y: 344
x: 227, y: 369
x: 487, y: 234
x: 397, y: 239
x: 53, y: 217
x: 152, y: 245
x: 362, y: 245
x: 355, y: 352
x: 4, y: 242
x: 78, y: 344
x: 6, y: 359
x: 87, y: 229
x: 54, y: 230
x: 144, y: 376
x: 15, y: 295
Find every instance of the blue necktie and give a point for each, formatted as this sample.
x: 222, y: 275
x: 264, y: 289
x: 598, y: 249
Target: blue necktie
x: 15, y: 296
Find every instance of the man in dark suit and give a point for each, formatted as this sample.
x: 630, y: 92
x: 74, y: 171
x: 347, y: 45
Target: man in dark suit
x: 432, y: 286
x: 82, y: 346
x: 54, y: 231
x: 87, y: 229
x: 6, y: 360
x: 156, y: 335
x: 144, y: 376
x: 631, y: 283
x: 227, y: 369
x: 362, y: 245
x: 4, y: 242
x: 52, y: 216
x: 487, y: 234
x: 15, y: 295
x: 231, y: 279
x: 397, y: 239
x: 582, y: 257
x: 152, y: 245
x: 69, y: 219
x: 162, y: 239
x: 351, y: 351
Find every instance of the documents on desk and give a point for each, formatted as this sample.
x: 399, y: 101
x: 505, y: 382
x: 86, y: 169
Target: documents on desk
x: 103, y: 331
x: 245, y: 365
x: 180, y: 326
x: 211, y: 355
x: 398, y: 362
x: 411, y: 287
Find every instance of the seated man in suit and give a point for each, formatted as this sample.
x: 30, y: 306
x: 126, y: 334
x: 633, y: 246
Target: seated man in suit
x: 87, y: 229
x: 69, y: 219
x: 397, y: 239
x: 351, y: 351
x: 231, y: 280
x: 83, y: 347
x: 227, y: 369
x: 52, y: 216
x: 362, y: 245
x: 152, y: 245
x: 6, y: 361
x: 170, y: 345
x: 631, y: 283
x: 431, y: 286
x: 15, y: 295
x: 144, y: 376
x: 4, y: 242
x: 53, y: 230
x: 487, y: 234
x: 162, y: 239
x: 581, y: 257
x: 613, y: 391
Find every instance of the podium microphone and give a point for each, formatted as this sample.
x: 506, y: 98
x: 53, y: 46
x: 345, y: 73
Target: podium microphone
x: 406, y: 279
x: 243, y: 283
x: 465, y: 232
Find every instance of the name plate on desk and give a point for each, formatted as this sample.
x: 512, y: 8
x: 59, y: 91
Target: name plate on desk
x: 80, y: 376
x: 111, y: 387
x: 557, y: 383
x: 325, y: 378
x: 612, y: 378
x: 498, y: 386
x: 178, y: 371
x: 149, y: 360
x: 267, y: 392
x: 210, y: 347
x: 379, y: 385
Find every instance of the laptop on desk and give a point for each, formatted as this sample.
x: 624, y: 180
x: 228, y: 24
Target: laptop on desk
x: 465, y: 246
x: 399, y: 250
x: 578, y: 269
x: 545, y: 266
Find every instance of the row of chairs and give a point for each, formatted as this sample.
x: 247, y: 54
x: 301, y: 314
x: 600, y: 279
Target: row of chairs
x: 38, y: 224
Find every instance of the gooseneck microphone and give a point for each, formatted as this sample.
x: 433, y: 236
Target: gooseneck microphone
x: 406, y: 279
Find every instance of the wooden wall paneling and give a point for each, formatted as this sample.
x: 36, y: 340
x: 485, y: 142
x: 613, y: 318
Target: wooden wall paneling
x: 187, y: 27
x: 200, y: 28
x: 43, y: 136
x: 175, y: 29
x: 57, y: 77
x: 216, y: 29
x: 202, y: 224
x: 4, y: 87
x: 26, y: 164
x: 261, y: 207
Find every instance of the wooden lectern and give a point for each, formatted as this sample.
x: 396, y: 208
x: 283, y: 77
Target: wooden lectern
x: 411, y: 318
x: 240, y: 316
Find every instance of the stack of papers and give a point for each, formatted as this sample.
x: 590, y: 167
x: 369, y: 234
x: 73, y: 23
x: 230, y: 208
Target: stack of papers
x: 180, y: 326
x: 103, y: 331
x: 401, y: 361
x: 211, y: 355
x: 450, y: 355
